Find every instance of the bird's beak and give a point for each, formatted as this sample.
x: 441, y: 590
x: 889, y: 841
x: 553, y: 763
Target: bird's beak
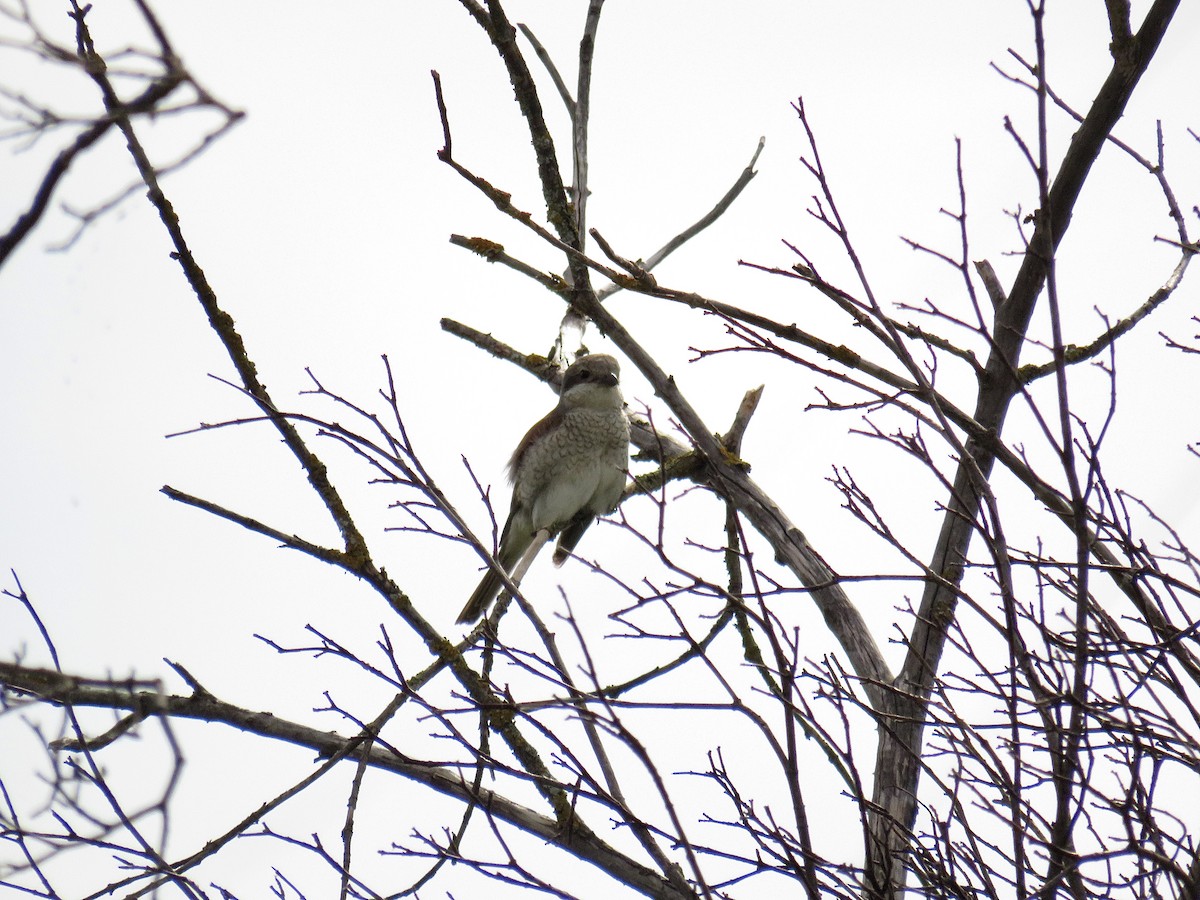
x: 609, y: 379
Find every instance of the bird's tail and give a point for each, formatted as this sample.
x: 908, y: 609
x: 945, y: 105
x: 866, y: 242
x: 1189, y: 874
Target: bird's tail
x: 491, y: 583
x: 488, y: 588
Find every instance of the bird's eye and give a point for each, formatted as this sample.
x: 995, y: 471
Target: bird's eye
x: 585, y: 375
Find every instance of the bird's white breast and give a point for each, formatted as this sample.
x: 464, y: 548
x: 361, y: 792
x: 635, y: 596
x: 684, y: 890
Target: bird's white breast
x: 579, y: 465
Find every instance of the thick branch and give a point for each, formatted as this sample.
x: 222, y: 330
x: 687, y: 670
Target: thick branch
x: 504, y: 39
x: 898, y: 762
x: 57, y: 688
x: 1001, y: 383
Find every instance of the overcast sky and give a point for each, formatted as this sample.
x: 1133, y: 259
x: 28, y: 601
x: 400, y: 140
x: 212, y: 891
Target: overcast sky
x: 322, y: 222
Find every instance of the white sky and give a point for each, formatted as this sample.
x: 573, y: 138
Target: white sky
x: 322, y: 222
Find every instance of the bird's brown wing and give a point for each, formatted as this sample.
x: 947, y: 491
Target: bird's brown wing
x: 540, y: 429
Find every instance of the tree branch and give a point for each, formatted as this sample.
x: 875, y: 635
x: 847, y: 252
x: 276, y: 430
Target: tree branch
x: 68, y: 690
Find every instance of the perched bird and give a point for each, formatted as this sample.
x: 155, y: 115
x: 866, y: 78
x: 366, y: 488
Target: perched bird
x: 567, y: 470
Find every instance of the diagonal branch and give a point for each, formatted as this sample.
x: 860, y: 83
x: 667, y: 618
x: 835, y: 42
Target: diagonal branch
x: 899, y: 753
x: 356, y: 557
x: 1075, y: 354
x: 67, y: 690
x: 221, y: 322
x: 563, y: 92
x: 1001, y: 383
x: 700, y: 224
x: 159, y: 90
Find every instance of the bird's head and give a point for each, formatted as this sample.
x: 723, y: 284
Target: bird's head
x: 592, y: 381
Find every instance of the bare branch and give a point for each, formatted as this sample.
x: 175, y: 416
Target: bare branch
x: 703, y: 222
x: 561, y: 86
x: 73, y: 691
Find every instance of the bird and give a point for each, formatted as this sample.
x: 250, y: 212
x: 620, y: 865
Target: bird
x: 569, y: 468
